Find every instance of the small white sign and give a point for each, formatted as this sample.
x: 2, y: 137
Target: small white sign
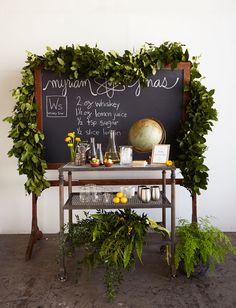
x: 160, y: 153
x: 56, y: 106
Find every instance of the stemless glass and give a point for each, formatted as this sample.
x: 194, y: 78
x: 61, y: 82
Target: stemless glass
x: 130, y: 192
x: 106, y: 197
x: 92, y: 194
x: 82, y: 194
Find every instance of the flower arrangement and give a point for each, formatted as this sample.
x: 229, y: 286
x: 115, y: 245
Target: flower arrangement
x: 72, y: 142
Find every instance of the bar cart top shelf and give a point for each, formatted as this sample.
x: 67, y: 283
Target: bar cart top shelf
x: 115, y: 167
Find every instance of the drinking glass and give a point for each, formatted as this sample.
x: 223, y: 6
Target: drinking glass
x: 91, y: 192
x: 126, y: 155
x: 82, y: 195
x: 106, y: 197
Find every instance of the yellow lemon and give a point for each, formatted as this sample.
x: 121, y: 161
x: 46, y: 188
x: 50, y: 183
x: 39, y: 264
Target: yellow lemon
x: 169, y: 163
x: 119, y: 194
x: 116, y: 200
x: 123, y: 200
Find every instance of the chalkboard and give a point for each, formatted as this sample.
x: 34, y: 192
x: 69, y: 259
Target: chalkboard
x: 91, y: 107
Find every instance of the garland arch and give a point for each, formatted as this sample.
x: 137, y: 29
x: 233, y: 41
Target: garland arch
x: 93, y: 62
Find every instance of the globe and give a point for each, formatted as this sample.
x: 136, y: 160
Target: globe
x: 146, y: 133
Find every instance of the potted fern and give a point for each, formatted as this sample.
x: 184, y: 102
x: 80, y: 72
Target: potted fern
x: 111, y: 239
x: 200, y: 245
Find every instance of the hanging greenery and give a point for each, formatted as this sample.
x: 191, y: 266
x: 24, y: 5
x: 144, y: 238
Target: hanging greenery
x: 93, y: 62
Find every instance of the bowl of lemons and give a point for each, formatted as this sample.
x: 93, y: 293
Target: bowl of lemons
x: 94, y: 162
x: 120, y: 198
x: 108, y: 162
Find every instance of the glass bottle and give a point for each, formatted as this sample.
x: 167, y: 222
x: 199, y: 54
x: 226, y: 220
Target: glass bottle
x: 99, y: 153
x: 92, y: 151
x: 111, y: 150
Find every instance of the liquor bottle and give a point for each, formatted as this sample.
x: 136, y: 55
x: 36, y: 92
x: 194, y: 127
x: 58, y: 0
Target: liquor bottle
x: 111, y: 149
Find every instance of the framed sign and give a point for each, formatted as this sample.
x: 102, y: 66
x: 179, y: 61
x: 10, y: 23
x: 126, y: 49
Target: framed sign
x: 91, y: 107
x: 160, y: 153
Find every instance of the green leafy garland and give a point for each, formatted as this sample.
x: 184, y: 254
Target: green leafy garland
x: 93, y: 62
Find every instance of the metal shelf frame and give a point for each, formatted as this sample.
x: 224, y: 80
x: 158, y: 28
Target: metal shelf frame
x: 73, y: 203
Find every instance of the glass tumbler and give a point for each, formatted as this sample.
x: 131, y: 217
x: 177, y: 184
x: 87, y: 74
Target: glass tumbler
x: 82, y: 194
x: 126, y: 155
x: 91, y: 192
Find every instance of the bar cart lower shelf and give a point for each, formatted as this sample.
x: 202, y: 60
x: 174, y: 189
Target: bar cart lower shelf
x: 73, y: 203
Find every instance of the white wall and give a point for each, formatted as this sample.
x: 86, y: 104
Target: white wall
x: 207, y: 28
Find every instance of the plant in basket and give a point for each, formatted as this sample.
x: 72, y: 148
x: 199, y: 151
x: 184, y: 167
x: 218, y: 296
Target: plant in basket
x: 200, y: 245
x: 112, y: 239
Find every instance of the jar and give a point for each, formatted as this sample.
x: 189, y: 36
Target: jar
x: 126, y: 155
x: 111, y: 149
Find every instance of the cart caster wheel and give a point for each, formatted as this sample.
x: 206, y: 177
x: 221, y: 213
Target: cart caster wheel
x: 163, y: 250
x: 62, y: 277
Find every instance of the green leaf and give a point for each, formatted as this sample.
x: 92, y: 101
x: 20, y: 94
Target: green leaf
x: 127, y: 253
x: 36, y: 138
x: 154, y: 70
x: 95, y: 233
x: 158, y: 228
x: 139, y: 248
x: 211, y: 92
x: 8, y: 119
x: 60, y: 61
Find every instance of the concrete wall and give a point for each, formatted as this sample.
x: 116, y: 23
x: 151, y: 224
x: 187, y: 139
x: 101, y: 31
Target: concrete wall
x: 207, y: 28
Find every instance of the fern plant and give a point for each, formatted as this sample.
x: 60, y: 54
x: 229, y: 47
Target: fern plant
x: 112, y: 239
x: 200, y: 243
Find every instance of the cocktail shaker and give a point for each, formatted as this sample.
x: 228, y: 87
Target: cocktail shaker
x: 140, y: 187
x: 146, y: 194
x: 155, y: 192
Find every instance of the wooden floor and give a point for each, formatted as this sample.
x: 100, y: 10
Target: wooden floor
x: 35, y: 284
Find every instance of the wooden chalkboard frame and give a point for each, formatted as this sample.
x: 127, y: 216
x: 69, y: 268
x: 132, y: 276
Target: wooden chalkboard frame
x: 184, y: 66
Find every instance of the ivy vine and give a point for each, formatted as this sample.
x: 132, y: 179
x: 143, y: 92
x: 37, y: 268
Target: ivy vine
x: 121, y: 69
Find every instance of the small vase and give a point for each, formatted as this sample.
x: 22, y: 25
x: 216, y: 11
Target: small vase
x: 99, y: 153
x: 92, y: 153
x: 72, y: 155
x: 111, y: 149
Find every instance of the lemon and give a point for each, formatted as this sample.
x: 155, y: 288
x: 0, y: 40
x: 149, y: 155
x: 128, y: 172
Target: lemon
x: 116, y: 200
x: 123, y: 200
x: 119, y: 194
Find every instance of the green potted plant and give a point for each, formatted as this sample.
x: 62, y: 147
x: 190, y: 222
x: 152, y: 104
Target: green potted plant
x: 200, y: 245
x: 111, y: 239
